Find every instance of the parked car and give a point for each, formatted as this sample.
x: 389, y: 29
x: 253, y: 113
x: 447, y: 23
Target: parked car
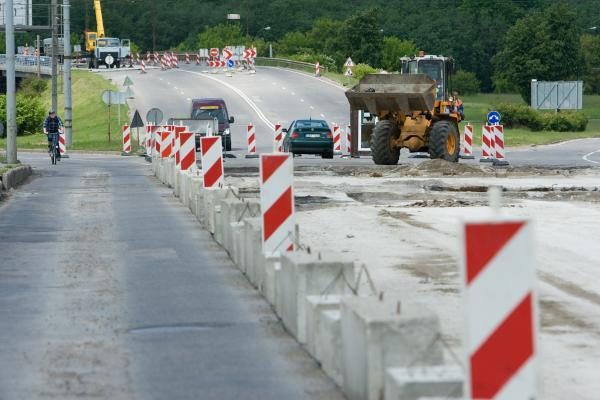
x: 205, y: 109
x: 309, y: 136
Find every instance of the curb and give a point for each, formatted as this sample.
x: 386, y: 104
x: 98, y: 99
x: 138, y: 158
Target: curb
x: 16, y: 176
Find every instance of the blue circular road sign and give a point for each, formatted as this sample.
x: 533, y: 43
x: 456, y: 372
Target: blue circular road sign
x: 494, y: 117
x: 230, y: 63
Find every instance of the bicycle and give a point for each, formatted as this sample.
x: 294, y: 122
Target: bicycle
x: 55, y: 150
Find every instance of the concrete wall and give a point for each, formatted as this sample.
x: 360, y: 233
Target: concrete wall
x: 16, y: 176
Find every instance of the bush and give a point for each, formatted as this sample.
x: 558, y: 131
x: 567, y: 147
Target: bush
x: 360, y: 70
x: 465, y: 82
x: 30, y: 114
x: 32, y: 86
x: 521, y: 115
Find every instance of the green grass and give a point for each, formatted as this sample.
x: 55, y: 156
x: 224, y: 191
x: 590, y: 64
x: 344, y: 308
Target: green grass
x: 7, y: 167
x: 341, y: 79
x: 90, y: 116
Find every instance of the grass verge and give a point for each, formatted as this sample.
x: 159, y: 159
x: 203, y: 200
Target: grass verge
x: 90, y: 116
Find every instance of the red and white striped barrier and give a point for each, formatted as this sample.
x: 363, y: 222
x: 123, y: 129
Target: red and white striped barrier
x: 501, y: 304
x: 486, y: 144
x: 187, y: 58
x: 187, y: 151
x: 500, y: 157
x: 174, y: 60
x: 212, y: 162
x: 157, y: 140
x: 126, y: 139
x: 155, y: 58
x: 317, y: 69
x: 251, y: 140
x: 197, y: 59
x: 278, y: 139
x: 349, y: 140
x: 468, y: 143
x: 178, y: 130
x: 337, y: 139
x: 137, y: 58
x: 277, y: 202
x: 62, y: 143
x: 148, y: 57
x: 143, y: 67
x: 148, y: 140
x: 166, y: 146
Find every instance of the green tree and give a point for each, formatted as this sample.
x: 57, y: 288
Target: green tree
x: 465, y: 82
x: 293, y: 43
x: 393, y: 49
x: 543, y: 46
x: 364, y: 36
x: 220, y: 36
x: 590, y: 47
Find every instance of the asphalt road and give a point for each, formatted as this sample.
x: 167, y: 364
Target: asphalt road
x: 109, y: 288
x: 275, y: 95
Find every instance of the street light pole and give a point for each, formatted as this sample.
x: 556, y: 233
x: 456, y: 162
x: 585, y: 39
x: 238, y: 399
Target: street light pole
x: 11, y: 95
x: 67, y: 72
x: 54, y: 16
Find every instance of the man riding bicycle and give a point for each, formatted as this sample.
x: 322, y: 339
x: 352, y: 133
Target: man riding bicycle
x: 52, y: 126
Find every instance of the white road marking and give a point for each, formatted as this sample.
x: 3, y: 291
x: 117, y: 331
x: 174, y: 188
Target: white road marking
x: 293, y: 93
x: 310, y: 76
x: 183, y: 94
x: 589, y: 154
x: 241, y: 94
x: 312, y: 108
x: 302, y: 100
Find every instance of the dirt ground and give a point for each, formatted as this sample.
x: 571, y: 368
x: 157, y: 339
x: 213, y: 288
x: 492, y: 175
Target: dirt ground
x: 402, y: 223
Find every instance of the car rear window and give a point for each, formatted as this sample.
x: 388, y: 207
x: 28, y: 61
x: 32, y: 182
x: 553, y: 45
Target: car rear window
x: 311, y: 124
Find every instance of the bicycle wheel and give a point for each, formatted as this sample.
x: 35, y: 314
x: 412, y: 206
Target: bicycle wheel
x: 53, y: 155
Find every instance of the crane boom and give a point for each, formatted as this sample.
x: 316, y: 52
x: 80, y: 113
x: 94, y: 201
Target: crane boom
x: 99, y: 20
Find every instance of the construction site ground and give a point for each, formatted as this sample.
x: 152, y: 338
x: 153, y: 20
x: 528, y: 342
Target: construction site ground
x: 403, y: 224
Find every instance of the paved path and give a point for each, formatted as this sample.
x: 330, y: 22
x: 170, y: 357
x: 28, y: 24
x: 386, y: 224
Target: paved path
x: 110, y: 289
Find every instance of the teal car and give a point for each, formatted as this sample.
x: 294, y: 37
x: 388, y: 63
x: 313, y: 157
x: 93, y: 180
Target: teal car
x: 308, y: 136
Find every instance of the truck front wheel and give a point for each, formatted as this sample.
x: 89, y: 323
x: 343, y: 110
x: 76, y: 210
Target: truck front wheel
x: 382, y: 148
x: 444, y: 141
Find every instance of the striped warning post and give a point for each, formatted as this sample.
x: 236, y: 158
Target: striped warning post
x: 62, y: 144
x: 157, y: 139
x: 468, y: 143
x: 137, y: 58
x: 349, y: 140
x: 148, y: 140
x: 337, y: 138
x: 197, y: 59
x: 500, y: 156
x: 143, y: 67
x: 187, y: 151
x: 126, y: 139
x: 278, y: 139
x: 174, y: 60
x: 501, y: 305
x: 251, y: 140
x: 148, y: 57
x: 166, y: 146
x: 187, y: 58
x: 486, y: 143
x: 211, y: 152
x: 277, y: 202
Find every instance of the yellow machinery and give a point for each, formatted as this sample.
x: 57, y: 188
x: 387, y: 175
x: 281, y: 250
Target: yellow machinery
x: 90, y: 37
x: 414, y: 110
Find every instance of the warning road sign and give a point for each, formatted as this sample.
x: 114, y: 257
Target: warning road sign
x: 348, y: 71
x: 214, y: 52
x: 349, y: 63
x: 227, y: 54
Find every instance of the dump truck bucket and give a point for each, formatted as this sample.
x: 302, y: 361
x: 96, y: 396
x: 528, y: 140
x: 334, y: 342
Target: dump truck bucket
x: 379, y: 93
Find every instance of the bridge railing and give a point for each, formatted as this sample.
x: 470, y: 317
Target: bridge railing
x: 284, y: 63
x: 29, y: 64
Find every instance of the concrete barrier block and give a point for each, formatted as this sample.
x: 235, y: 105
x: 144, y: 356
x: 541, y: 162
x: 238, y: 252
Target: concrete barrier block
x: 329, y: 344
x: 304, y: 274
x: 198, y: 199
x: 236, y: 246
x: 445, y: 381
x: 219, y: 227
x: 381, y: 333
x: 252, y: 243
x: 177, y: 183
x: 267, y: 277
x: 234, y: 210
x: 210, y: 199
x: 315, y: 304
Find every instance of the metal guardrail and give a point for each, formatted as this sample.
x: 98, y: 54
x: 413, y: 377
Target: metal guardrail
x: 291, y: 64
x: 29, y: 64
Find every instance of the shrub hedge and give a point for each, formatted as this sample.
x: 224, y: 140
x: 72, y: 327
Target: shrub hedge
x: 520, y: 115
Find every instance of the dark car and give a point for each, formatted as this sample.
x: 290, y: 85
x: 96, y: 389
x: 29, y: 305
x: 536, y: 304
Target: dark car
x: 205, y: 109
x: 309, y: 136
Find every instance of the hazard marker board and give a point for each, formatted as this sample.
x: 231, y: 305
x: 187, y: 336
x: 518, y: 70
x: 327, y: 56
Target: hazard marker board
x: 214, y: 52
x: 501, y: 308
x: 277, y: 202
x: 212, y: 162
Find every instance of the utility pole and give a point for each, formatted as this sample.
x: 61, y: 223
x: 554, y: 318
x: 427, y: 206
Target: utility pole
x: 67, y: 72
x: 37, y: 56
x: 54, y: 16
x: 11, y: 92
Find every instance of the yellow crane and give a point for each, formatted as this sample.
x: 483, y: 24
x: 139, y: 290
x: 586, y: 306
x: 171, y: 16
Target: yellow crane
x: 90, y: 37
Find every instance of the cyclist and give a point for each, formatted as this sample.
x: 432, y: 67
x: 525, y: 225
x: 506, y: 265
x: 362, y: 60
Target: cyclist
x: 52, y: 126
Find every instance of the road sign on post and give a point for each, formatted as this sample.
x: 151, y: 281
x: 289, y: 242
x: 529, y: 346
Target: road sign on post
x: 494, y: 117
x: 227, y: 54
x: 349, y: 63
x: 214, y: 52
x: 154, y: 116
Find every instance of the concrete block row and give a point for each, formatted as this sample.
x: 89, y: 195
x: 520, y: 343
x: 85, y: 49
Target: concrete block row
x: 15, y: 176
x: 374, y: 348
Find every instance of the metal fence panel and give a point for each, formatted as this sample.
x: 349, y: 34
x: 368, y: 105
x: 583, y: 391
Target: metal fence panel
x: 560, y: 95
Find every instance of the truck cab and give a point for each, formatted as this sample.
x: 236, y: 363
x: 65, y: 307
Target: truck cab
x: 118, y: 50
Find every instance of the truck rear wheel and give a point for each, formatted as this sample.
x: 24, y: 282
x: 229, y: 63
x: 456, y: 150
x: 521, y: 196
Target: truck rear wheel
x: 382, y: 150
x: 444, y: 141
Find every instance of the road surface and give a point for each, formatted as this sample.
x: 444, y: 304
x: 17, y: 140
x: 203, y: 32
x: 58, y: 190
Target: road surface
x: 275, y: 95
x: 109, y: 288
